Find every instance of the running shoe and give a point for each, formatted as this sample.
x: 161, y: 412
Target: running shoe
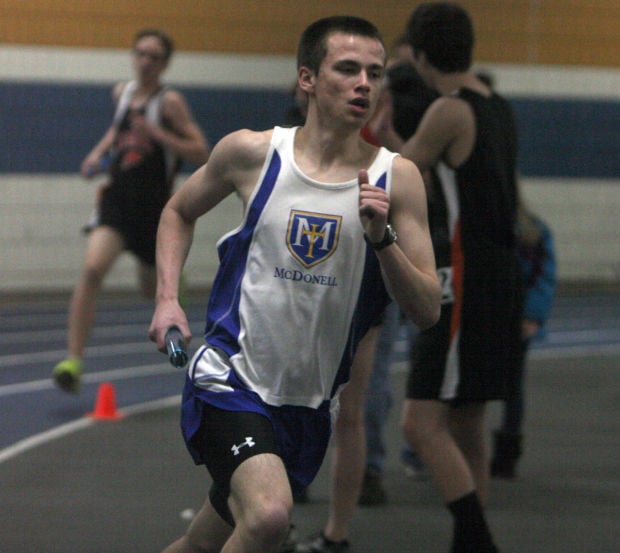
x: 414, y: 467
x: 68, y: 375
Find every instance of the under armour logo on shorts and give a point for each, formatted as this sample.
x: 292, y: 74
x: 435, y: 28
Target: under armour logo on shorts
x: 249, y: 441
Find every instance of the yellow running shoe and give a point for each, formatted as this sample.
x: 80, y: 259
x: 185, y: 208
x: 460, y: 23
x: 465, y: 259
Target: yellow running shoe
x: 68, y: 375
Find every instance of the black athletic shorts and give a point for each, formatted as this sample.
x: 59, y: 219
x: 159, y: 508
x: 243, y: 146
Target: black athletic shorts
x: 227, y: 438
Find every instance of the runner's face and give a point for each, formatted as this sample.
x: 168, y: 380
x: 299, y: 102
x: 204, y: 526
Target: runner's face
x: 350, y: 77
x: 149, y: 59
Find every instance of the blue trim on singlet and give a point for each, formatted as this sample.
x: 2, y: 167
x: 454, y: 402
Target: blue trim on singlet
x: 382, y: 182
x: 222, y: 322
x: 301, y: 434
x: 372, y: 300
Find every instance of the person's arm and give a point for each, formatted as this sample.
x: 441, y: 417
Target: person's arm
x: 91, y: 165
x: 184, y: 137
x: 232, y: 167
x: 446, y: 133
x: 408, y: 264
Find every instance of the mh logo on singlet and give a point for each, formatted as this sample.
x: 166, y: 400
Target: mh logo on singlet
x: 312, y: 237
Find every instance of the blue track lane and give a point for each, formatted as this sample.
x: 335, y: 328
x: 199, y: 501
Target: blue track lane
x: 32, y: 341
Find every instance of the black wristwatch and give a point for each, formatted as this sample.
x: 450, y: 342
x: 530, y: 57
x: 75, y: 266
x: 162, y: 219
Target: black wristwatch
x: 388, y: 238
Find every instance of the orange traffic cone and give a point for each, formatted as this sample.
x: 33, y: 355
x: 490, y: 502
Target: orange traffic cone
x: 105, y: 406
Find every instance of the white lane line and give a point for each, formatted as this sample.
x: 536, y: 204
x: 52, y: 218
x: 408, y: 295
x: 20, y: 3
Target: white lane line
x: 60, y: 334
x: 58, y: 432
x: 568, y: 352
x: 38, y: 439
x: 90, y: 378
x: 102, y: 350
x: 609, y: 334
x: 28, y: 319
x: 93, y: 351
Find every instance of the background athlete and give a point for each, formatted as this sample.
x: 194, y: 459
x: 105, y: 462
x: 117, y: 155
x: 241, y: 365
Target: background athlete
x: 152, y: 131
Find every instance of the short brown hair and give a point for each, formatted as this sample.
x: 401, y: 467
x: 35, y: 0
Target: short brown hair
x: 312, y: 47
x: 163, y: 37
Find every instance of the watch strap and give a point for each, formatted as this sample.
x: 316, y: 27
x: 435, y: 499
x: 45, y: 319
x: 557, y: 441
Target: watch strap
x: 389, y: 237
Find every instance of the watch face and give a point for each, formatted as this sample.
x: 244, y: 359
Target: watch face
x: 390, y: 235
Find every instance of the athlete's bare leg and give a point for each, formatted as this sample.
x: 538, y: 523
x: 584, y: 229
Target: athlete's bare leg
x: 468, y: 428
x: 349, y: 452
x: 103, y: 248
x: 426, y: 428
x: 261, y: 503
x: 207, y: 533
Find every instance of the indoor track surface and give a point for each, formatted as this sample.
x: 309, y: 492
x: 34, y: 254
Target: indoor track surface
x: 70, y: 483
